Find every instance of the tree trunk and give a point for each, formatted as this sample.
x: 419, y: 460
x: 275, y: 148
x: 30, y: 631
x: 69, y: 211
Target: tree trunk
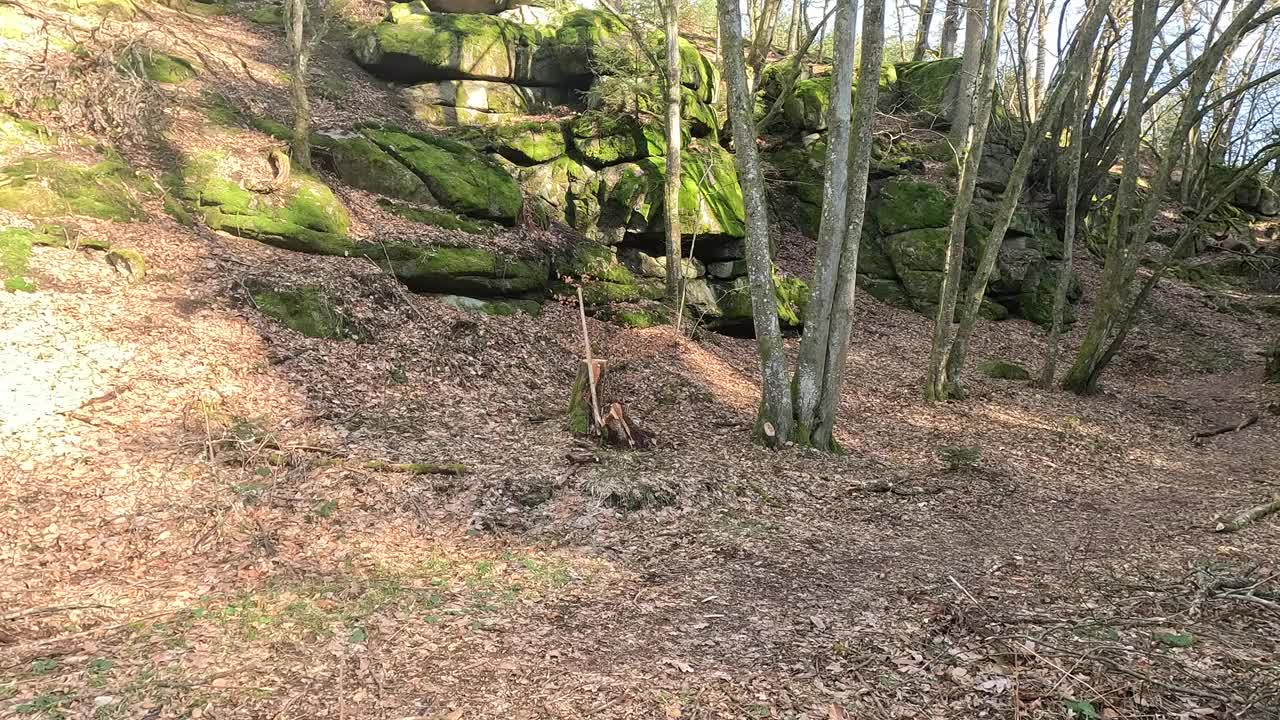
x: 1075, y: 62
x: 793, y: 32
x: 811, y: 366
x: 975, y: 104
x: 950, y: 28
x: 975, y: 20
x: 846, y: 285
x: 299, y: 57
x: 922, y: 31
x: 1043, y: 8
x: 773, y: 426
x: 1075, y: 130
x: 762, y: 41
x: 671, y: 183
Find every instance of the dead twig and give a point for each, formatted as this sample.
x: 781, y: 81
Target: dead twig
x: 1251, y: 515
x: 1246, y: 422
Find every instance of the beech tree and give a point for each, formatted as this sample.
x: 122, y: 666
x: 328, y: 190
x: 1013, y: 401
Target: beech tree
x: 773, y: 423
x: 974, y: 104
x: 824, y: 347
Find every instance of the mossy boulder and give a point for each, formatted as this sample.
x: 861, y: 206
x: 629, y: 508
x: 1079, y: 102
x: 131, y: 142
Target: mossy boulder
x: 1036, y: 295
x: 908, y: 204
x: 362, y: 163
x: 810, y: 102
x: 927, y: 86
x: 440, y: 218
x: 604, y: 139
x: 698, y: 73
x: 49, y: 187
x: 473, y: 272
x: 303, y: 216
x: 566, y: 188
x: 459, y: 177
x: 416, y: 47
x: 307, y: 310
x: 921, y: 249
x: 1003, y: 370
x: 130, y: 263
x: 16, y: 132
x: 464, y: 103
x: 530, y: 143
x: 887, y: 291
x: 589, y: 261
x: 585, y: 38
x: 164, y: 68
x: 496, y: 308
x: 710, y: 197
x: 734, y: 299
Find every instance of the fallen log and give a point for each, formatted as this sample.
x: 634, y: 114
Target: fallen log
x: 1251, y: 515
x: 1246, y: 422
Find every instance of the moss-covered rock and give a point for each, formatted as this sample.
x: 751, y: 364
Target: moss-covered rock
x: 734, y: 298
x: 269, y: 15
x: 17, y: 133
x: 605, y: 139
x: 710, y: 197
x: 1036, y: 295
x: 585, y: 38
x: 303, y: 216
x: 441, y: 218
x: 907, y: 204
x: 806, y: 109
x: 164, y: 68
x: 588, y: 261
x: 458, y: 177
x: 1003, y: 370
x: 596, y: 293
x: 473, y: 272
x: 922, y: 249
x: 496, y: 308
x: 48, y: 187
x: 646, y: 265
x: 416, y: 47
x: 131, y: 263
x: 464, y: 103
x: 887, y: 291
x: 927, y: 86
x: 363, y: 164
x: 307, y: 310
x: 530, y: 143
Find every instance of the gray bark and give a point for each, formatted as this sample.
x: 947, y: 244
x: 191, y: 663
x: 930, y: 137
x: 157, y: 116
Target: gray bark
x: 773, y: 425
x: 1075, y: 130
x: 671, y: 183
x: 846, y: 285
x: 295, y: 16
x: 975, y: 18
x: 979, y: 98
x: 922, y: 30
x: 811, y: 366
x: 950, y: 28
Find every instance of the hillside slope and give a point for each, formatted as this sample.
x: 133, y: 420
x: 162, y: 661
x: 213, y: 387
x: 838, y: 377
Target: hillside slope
x: 207, y: 513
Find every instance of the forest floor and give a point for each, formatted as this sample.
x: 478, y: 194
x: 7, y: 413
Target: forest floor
x: 195, y: 522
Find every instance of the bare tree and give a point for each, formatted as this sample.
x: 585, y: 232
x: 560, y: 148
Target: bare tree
x: 922, y: 30
x: 1075, y: 136
x: 978, y: 96
x: 671, y: 183
x: 773, y: 424
x: 819, y: 375
x: 950, y: 28
x: 975, y: 18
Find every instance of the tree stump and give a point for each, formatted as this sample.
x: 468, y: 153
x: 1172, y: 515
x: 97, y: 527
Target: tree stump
x: 609, y: 421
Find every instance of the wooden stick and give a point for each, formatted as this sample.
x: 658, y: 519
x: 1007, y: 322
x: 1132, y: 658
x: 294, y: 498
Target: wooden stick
x: 1248, y: 516
x: 591, y: 366
x: 1226, y: 428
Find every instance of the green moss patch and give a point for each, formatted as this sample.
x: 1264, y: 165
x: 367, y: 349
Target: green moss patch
x: 1003, y: 370
x: 904, y: 204
x: 15, y: 259
x: 269, y: 15
x: 47, y: 187
x: 606, y: 139
x: 529, y: 143
x: 129, y: 262
x: 414, y: 46
x: 472, y: 272
x: 363, y: 164
x: 304, y: 216
x: 308, y: 310
x: 457, y: 176
x: 163, y: 68
x: 925, y: 86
